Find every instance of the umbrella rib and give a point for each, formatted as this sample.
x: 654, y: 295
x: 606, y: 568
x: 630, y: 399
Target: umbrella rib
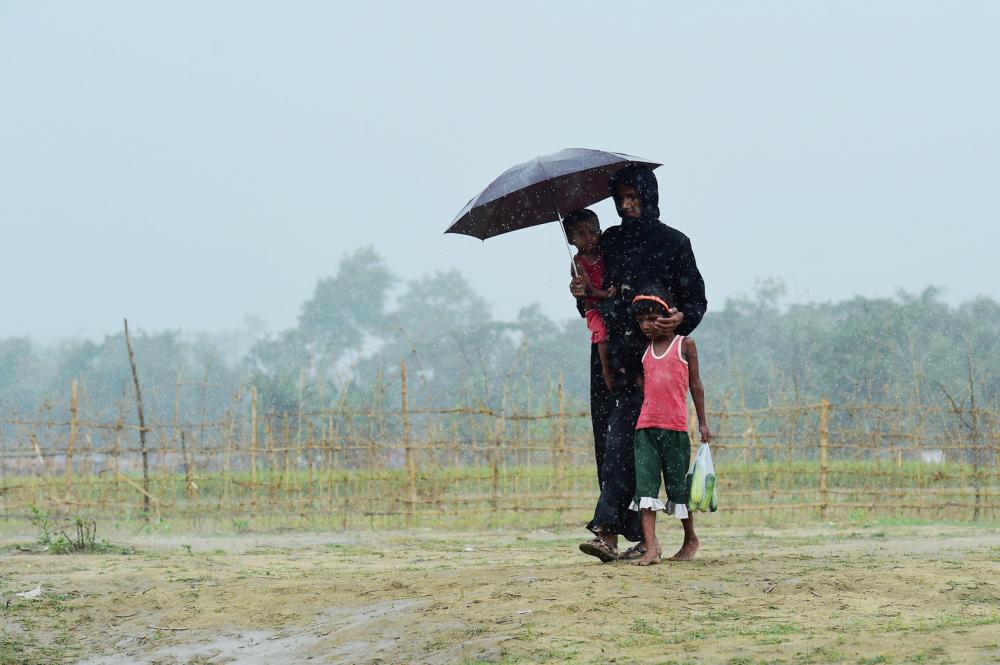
x: 548, y: 178
x: 562, y: 228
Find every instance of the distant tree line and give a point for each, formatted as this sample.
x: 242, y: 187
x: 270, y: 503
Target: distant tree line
x: 351, y: 335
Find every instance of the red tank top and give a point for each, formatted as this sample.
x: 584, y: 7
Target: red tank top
x: 665, y: 389
x: 595, y: 272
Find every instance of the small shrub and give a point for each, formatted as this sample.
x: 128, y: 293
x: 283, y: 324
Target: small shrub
x: 82, y: 535
x: 645, y: 628
x: 40, y: 519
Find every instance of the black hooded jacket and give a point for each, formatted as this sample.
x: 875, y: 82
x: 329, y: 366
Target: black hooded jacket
x: 638, y: 253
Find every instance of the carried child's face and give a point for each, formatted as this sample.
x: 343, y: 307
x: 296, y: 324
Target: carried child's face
x: 628, y: 201
x: 585, y: 237
x: 647, y: 323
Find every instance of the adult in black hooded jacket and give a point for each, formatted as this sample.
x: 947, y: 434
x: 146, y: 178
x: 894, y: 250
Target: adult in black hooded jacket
x: 640, y: 252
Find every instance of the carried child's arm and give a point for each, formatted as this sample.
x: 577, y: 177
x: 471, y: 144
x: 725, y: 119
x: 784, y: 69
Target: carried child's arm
x: 602, y: 293
x: 697, y: 389
x: 591, y: 290
x: 580, y: 283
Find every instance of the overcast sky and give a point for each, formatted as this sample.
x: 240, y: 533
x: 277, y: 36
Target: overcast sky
x: 188, y: 163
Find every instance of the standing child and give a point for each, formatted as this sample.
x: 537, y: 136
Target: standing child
x: 670, y: 368
x: 583, y: 230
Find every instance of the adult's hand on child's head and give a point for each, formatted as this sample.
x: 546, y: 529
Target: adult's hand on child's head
x: 668, y: 324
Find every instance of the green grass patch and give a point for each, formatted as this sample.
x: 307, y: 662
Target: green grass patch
x: 23, y: 650
x: 644, y: 627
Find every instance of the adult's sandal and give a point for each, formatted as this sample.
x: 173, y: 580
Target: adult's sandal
x: 600, y: 549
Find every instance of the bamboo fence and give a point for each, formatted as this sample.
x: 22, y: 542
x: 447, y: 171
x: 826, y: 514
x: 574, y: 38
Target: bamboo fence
x: 378, y: 467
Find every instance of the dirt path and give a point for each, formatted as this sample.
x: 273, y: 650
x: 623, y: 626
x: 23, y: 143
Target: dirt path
x: 816, y: 595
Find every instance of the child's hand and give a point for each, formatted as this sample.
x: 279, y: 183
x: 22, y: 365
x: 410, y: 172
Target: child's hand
x: 609, y: 380
x: 706, y: 434
x: 612, y: 292
x: 577, y: 287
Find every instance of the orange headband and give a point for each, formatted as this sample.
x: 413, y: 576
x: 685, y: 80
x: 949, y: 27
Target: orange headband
x: 654, y: 299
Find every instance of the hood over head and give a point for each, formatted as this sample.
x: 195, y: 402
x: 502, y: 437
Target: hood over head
x: 642, y: 178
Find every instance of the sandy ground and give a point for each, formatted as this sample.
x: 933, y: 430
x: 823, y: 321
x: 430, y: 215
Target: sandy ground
x: 876, y: 594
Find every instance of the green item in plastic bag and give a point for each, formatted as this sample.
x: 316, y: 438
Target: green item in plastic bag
x: 702, y: 479
x: 709, y: 492
x: 697, y: 485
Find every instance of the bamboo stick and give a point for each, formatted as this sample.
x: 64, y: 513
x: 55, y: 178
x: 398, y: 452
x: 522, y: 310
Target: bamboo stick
x: 142, y: 423
x: 73, y: 407
x: 561, y: 462
x: 824, y: 467
x: 188, y: 482
x: 411, y: 467
x: 253, y: 447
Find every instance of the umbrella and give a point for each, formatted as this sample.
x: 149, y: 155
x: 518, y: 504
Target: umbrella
x: 542, y: 190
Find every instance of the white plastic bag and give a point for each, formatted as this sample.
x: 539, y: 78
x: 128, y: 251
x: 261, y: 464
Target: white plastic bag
x: 702, y: 480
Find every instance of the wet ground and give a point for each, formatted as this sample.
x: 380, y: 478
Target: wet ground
x: 818, y: 594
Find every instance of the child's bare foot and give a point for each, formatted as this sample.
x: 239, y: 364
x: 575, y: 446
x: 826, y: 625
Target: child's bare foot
x: 687, y: 550
x: 634, y: 552
x: 650, y: 558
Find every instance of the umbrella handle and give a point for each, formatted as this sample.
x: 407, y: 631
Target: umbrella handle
x: 569, y: 250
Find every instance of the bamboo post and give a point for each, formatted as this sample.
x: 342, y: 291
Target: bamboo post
x: 824, y: 443
x: 142, y: 424
x: 309, y: 461
x: 116, y: 460
x: 794, y: 437
x: 188, y: 483
x: 287, y: 437
x: 561, y: 459
x: 974, y: 440
x: 204, y: 412
x: 298, y: 435
x: 71, y: 444
x: 344, y: 484
x: 437, y: 445
x: 376, y: 421
x: 227, y: 452
x: 272, y: 468
x: 173, y: 426
x: 253, y: 447
x: 330, y: 440
x: 528, y: 440
x: 515, y: 455
x: 191, y: 487
x: 502, y: 431
x: 749, y: 421
x: 494, y: 458
x: 89, y: 455
x: 411, y: 468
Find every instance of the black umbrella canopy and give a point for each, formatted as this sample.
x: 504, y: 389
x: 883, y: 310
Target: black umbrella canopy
x: 542, y: 190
